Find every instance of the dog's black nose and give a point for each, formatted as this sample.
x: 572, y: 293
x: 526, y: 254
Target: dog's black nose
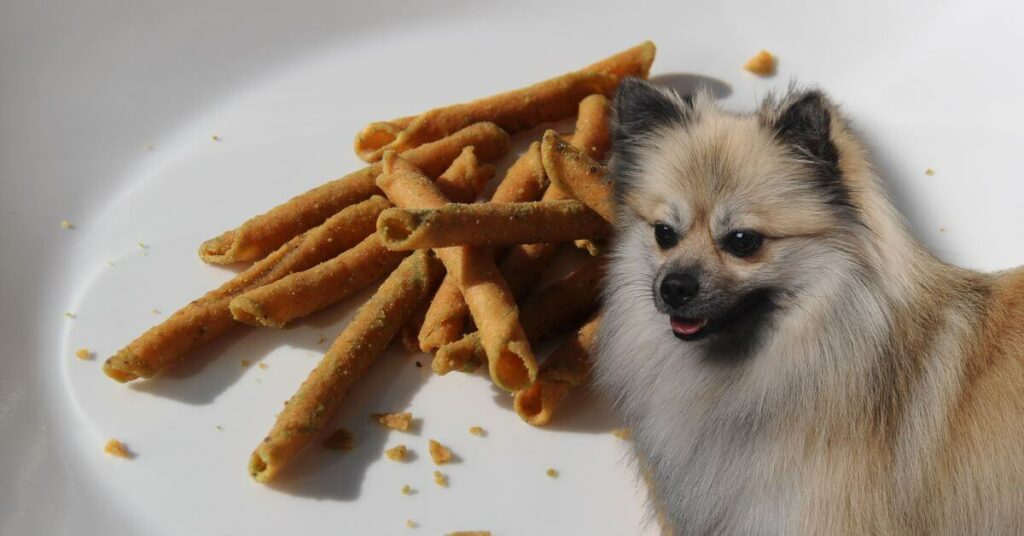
x: 677, y: 289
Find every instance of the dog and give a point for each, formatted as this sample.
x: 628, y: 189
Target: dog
x: 788, y: 357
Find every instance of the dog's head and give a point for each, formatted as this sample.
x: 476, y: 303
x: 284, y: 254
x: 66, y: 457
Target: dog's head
x: 727, y: 216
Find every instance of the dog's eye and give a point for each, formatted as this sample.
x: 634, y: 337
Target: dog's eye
x: 742, y: 243
x: 665, y: 235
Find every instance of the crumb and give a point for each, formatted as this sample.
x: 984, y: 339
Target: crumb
x: 441, y: 479
x: 396, y: 453
x: 553, y: 473
x: 341, y: 439
x: 149, y: 147
x: 65, y: 224
x: 263, y: 365
x: 942, y: 229
x: 320, y: 340
x: 440, y: 453
x: 245, y: 363
x: 394, y: 421
x: 407, y: 490
x: 83, y: 353
x: 156, y: 311
x: 929, y: 172
x: 761, y: 64
x: 118, y: 449
x: 215, y: 137
x: 410, y: 523
x: 70, y: 315
x: 142, y: 246
x: 477, y: 431
x: 219, y: 428
x: 418, y: 364
x: 621, y: 433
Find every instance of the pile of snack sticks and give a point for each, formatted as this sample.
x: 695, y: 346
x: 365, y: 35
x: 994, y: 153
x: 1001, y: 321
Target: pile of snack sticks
x: 458, y: 275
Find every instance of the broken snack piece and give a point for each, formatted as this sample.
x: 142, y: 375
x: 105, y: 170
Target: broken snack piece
x: 761, y: 64
x: 396, y: 453
x: 117, y: 449
x: 394, y: 421
x: 440, y: 453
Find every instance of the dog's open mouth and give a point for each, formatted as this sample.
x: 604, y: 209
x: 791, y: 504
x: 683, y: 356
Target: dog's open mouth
x: 687, y: 328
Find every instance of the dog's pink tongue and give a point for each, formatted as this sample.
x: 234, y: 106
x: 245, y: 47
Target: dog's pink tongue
x: 687, y: 327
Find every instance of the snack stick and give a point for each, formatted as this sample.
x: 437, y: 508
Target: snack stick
x: 594, y: 249
x: 567, y: 367
x: 510, y: 360
x: 523, y: 265
x: 577, y: 174
x: 262, y: 234
x: 556, y: 308
x: 465, y: 178
x: 208, y: 317
x: 489, y: 224
x: 411, y: 330
x: 355, y: 349
x: 552, y: 100
x: 303, y: 293
x: 446, y: 317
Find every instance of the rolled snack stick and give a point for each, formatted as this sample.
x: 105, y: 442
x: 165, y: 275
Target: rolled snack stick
x: 567, y: 367
x: 411, y: 329
x: 355, y: 349
x: 262, y: 234
x: 523, y: 265
x: 465, y: 178
x: 551, y: 310
x: 445, y: 318
x: 303, y: 293
x: 577, y: 174
x: 208, y: 317
x: 489, y: 224
x: 521, y: 109
x: 510, y: 360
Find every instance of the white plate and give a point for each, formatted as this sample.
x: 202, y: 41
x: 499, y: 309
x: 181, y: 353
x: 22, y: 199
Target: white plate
x: 84, y: 90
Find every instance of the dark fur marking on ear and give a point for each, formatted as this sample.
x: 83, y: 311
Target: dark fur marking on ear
x: 639, y: 108
x: 805, y: 125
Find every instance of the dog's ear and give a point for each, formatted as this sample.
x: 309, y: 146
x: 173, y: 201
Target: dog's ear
x: 805, y: 124
x: 640, y: 108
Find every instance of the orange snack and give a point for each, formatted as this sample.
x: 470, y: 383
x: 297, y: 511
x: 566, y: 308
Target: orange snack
x: 117, y: 449
x: 208, y: 317
x: 761, y: 64
x: 577, y: 174
x: 489, y: 224
x: 445, y: 318
x: 521, y: 109
x: 464, y: 179
x: 355, y: 349
x: 262, y: 234
x: 557, y: 308
x: 567, y: 367
x: 440, y: 453
x: 303, y: 293
x: 509, y: 357
x: 394, y: 421
x: 396, y: 453
x: 410, y: 334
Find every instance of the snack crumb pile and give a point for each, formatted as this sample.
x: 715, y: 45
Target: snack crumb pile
x: 83, y: 353
x: 396, y: 453
x: 440, y: 453
x: 341, y: 439
x: 761, y: 64
x: 118, y: 449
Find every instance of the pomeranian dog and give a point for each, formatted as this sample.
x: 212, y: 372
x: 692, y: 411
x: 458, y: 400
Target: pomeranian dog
x: 789, y: 358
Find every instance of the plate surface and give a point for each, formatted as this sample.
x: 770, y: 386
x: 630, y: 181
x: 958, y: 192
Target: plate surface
x: 107, y: 114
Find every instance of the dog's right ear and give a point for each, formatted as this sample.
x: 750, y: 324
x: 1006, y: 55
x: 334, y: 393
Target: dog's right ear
x: 640, y: 108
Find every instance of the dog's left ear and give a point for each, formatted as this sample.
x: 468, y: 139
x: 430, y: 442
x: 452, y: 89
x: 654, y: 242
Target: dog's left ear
x: 640, y: 108
x: 806, y: 125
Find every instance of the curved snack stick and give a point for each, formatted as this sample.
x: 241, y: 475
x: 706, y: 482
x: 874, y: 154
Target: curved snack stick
x: 410, y: 331
x: 303, y: 293
x: 577, y: 174
x: 593, y: 127
x: 553, y: 309
x: 509, y: 357
x: 262, y: 234
x: 552, y: 100
x: 465, y: 178
x: 524, y: 264
x: 525, y: 179
x: 489, y: 224
x: 567, y: 367
x: 208, y: 317
x: 355, y: 349
x: 446, y: 317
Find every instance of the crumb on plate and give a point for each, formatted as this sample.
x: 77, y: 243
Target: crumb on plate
x: 341, y: 439
x: 396, y: 453
x: 263, y: 365
x: 245, y: 363
x: 406, y: 489
x: 440, y: 453
x: 621, y: 433
x: 219, y: 428
x: 118, y: 449
x: 83, y: 353
x: 410, y: 523
x: 215, y: 137
x: 551, y: 472
x: 761, y: 64
x: 394, y: 421
x: 929, y: 172
x: 69, y: 314
x: 65, y: 224
x: 440, y: 479
x: 477, y: 431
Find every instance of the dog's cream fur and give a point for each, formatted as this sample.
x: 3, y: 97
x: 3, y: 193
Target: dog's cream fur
x: 885, y: 396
